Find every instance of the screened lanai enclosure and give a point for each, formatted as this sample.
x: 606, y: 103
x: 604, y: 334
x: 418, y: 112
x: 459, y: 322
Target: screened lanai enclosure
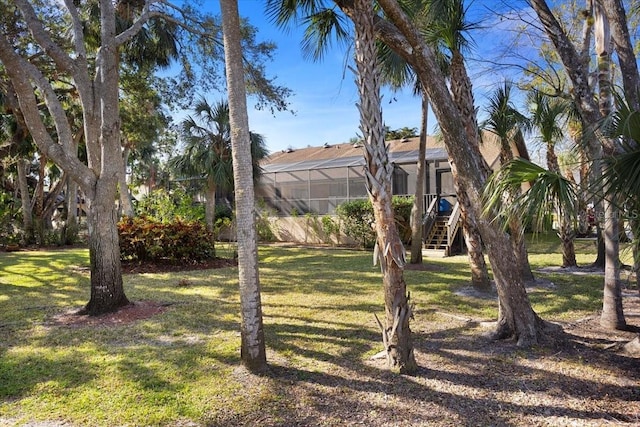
x: 317, y: 179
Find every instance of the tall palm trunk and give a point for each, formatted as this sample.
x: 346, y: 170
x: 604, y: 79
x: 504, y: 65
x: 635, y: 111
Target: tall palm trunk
x: 566, y: 232
x: 252, y: 350
x: 612, y: 312
x: 417, y: 211
x: 378, y: 170
x: 210, y: 203
x: 463, y: 97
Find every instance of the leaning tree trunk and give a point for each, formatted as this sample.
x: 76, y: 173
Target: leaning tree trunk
x: 396, y: 333
x: 473, y: 240
x: 252, y: 350
x: 417, y: 211
x: 517, y: 318
x: 461, y: 90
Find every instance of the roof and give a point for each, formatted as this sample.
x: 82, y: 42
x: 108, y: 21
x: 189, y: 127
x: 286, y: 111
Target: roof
x: 401, y: 151
x: 347, y: 154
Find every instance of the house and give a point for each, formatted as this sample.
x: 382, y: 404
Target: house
x: 315, y: 180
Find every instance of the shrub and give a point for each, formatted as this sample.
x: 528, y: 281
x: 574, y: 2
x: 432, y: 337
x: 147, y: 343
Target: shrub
x: 402, y: 206
x: 164, y: 206
x: 146, y: 239
x: 357, y: 219
x: 330, y: 228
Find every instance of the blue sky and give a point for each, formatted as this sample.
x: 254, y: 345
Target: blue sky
x: 324, y: 93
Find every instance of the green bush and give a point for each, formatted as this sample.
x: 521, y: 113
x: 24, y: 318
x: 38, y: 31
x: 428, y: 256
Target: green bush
x: 357, y: 219
x: 402, y: 206
x: 163, y: 206
x: 147, y: 239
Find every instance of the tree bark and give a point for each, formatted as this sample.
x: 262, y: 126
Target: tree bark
x: 417, y: 211
x: 461, y: 90
x: 126, y: 205
x: 25, y: 200
x: 517, y: 318
x: 99, y: 101
x: 71, y: 225
x: 612, y: 316
x: 210, y: 204
x: 252, y: 350
x: 107, y: 291
x: 396, y: 332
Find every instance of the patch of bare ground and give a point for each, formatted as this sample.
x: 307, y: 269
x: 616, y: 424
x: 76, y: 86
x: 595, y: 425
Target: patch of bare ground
x: 581, y: 377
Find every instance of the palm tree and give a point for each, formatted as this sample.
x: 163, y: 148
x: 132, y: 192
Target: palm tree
x: 593, y: 109
x: 396, y: 73
x: 208, y: 153
x: 322, y: 23
x: 252, y: 349
x: 622, y: 171
x: 447, y: 31
x: 546, y: 116
x: 396, y: 333
x: 507, y: 123
x: 548, y: 190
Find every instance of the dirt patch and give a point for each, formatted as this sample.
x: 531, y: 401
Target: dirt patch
x: 128, y: 314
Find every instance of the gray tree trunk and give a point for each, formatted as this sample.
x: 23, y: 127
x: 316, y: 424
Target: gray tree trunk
x: 252, y: 351
x: 396, y: 333
x: 417, y: 211
x: 98, y: 95
x: 126, y: 204
x: 72, y: 225
x: 210, y: 204
x: 25, y: 200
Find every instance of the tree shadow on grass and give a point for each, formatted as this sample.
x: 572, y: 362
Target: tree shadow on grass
x: 463, y: 379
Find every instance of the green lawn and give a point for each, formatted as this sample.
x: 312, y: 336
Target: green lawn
x: 182, y: 365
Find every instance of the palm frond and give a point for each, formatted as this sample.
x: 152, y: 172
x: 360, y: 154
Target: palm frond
x: 547, y: 192
x: 323, y: 28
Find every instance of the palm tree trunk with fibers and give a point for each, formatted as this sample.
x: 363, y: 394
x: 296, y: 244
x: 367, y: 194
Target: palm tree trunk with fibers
x: 378, y: 171
x: 252, y: 349
x: 463, y: 97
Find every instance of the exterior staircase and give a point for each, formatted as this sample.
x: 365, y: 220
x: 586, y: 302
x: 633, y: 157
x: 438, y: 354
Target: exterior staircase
x: 437, y: 237
x: 440, y: 231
